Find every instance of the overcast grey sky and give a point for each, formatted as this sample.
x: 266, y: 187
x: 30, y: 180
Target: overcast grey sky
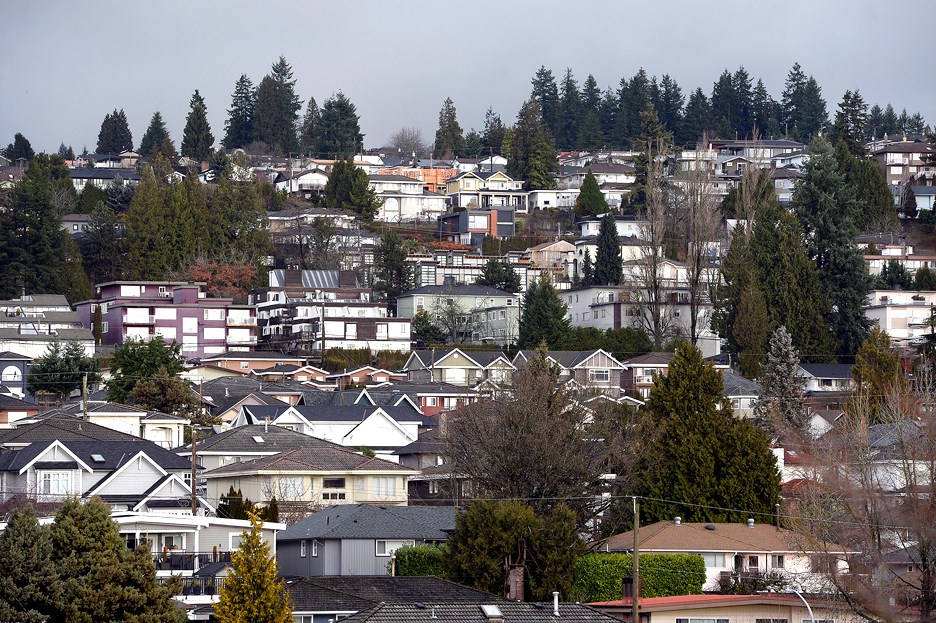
x: 66, y: 64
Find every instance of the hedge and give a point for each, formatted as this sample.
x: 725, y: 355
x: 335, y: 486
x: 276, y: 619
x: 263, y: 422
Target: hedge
x: 423, y: 559
x: 600, y: 575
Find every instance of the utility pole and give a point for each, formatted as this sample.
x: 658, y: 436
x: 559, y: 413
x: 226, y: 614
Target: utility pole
x: 635, y: 611
x: 194, y: 475
x: 84, y: 396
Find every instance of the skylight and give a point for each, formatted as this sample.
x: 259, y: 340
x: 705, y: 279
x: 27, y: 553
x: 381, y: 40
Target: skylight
x: 258, y: 438
x: 97, y: 458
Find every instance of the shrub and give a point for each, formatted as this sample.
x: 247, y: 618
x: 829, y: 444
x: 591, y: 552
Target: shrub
x: 423, y: 559
x: 661, y: 575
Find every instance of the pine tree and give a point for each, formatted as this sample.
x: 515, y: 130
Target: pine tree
x: 608, y: 267
x: 114, y: 136
x: 238, y: 129
x: 570, y: 112
x: 136, y: 360
x: 608, y: 113
x: 851, y: 122
x: 499, y: 274
x: 276, y: 109
x: 339, y: 132
x: 197, y: 138
x: 865, y: 178
x: 493, y: 134
x: 875, y: 123
x: 671, y: 105
x: 19, y: 148
x: 546, y: 94
x: 449, y: 140
x: 590, y: 201
x: 780, y: 406
x: 825, y: 205
x: 392, y: 277
x: 634, y: 97
x: 587, y: 277
x: 793, y: 101
x: 544, y: 318
x: 474, y: 144
x: 348, y: 188
x: 877, y: 373
x: 724, y: 105
x: 65, y: 153
x: 60, y: 370
x: 697, y: 119
x: 704, y: 458
x: 532, y: 157
x: 308, y: 137
x: 889, y: 121
x: 30, y: 588
x: 155, y: 134
x: 751, y: 330
x: 654, y: 142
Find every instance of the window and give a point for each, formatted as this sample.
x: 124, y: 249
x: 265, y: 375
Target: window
x: 333, y: 496
x: 433, y: 487
x: 599, y: 376
x: 776, y: 561
x: 694, y: 620
x: 244, y: 365
x: 350, y: 331
x: 291, y: 487
x: 752, y: 562
x: 302, y: 548
x: 234, y: 540
x: 420, y: 302
x: 173, y: 541
x: 333, y: 483
x: 383, y: 486
x: 771, y: 621
x: 714, y: 561
x: 386, y: 548
x: 214, y: 314
x: 56, y: 483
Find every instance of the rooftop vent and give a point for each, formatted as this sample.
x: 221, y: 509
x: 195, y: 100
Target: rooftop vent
x: 710, y: 527
x: 750, y: 522
x: 677, y: 520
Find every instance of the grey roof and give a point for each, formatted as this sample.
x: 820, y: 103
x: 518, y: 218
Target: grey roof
x: 114, y: 453
x: 429, y: 442
x: 226, y: 391
x: 356, y: 593
x: 460, y: 289
x: 513, y: 612
x: 10, y: 356
x: 310, y: 278
x: 366, y: 521
x: 317, y: 455
x: 245, y: 439
x: 383, y: 177
x: 828, y: 370
x: 736, y: 385
x: 253, y: 354
x: 650, y: 359
x: 484, y: 358
x: 103, y: 173
x: 62, y: 426
x: 566, y: 358
x: 12, y: 402
x: 336, y: 413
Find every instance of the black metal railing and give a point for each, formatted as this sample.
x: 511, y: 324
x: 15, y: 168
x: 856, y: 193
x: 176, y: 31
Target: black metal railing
x: 188, y: 561
x: 196, y: 586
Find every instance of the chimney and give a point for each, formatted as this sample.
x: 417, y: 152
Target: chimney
x: 555, y: 603
x: 515, y: 584
x: 677, y: 520
x: 750, y: 522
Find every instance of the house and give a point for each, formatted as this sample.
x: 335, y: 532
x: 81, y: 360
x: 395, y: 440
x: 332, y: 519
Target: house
x: 472, y: 225
x: 46, y: 464
x: 403, y: 199
x: 319, y: 473
x: 902, y: 159
x: 639, y: 372
x: 440, y: 266
x: 365, y: 375
x: 307, y: 182
x: 432, y: 176
x: 784, y: 179
x: 29, y: 324
x: 13, y: 409
x: 293, y: 225
x: 484, y: 189
x: 165, y: 430
x: 487, y: 611
x: 13, y: 372
x: 102, y: 177
x: 76, y: 224
x: 358, y: 539
x: 696, y: 608
x: 318, y: 599
x: 593, y: 371
x: 627, y: 226
x: 292, y: 372
x: 561, y: 199
x: 320, y: 309
x: 175, y: 310
x: 826, y: 377
x: 457, y: 367
x: 434, y: 398
x: 468, y: 313
x: 557, y: 256
x: 731, y: 548
x: 248, y: 361
x: 244, y: 443
x: 743, y: 393
x: 904, y: 315
x: 224, y: 396
x: 381, y: 428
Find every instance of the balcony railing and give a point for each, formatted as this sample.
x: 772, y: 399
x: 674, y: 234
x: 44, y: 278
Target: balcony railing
x: 139, y: 320
x: 188, y: 561
x: 241, y: 340
x: 197, y: 586
x: 241, y: 321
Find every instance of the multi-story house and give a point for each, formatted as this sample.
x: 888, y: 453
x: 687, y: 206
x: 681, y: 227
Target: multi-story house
x: 403, y: 199
x: 590, y: 371
x: 30, y: 323
x: 457, y: 367
x: 557, y: 256
x: 177, y: 311
x: 432, y: 177
x: 902, y: 159
x: 321, y: 309
x: 471, y: 226
x: 639, y: 372
x: 435, y: 268
x: 468, y: 313
x: 13, y: 373
x: 905, y: 316
x: 485, y: 189
x: 102, y: 177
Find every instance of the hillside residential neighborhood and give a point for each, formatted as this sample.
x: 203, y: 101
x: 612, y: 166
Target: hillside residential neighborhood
x: 642, y: 353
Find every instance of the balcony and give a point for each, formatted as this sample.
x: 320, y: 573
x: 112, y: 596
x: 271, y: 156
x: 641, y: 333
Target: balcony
x: 188, y: 561
x: 209, y: 586
x: 241, y: 341
x: 241, y: 321
x: 139, y: 320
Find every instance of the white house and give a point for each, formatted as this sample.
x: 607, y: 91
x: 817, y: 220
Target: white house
x: 403, y: 199
x: 904, y: 315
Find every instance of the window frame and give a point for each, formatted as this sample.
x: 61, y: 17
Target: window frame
x: 389, y: 552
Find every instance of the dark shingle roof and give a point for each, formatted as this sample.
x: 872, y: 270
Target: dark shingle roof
x: 828, y: 370
x: 460, y: 289
x: 242, y: 439
x: 12, y: 402
x: 364, y: 521
x: 735, y: 385
x: 337, y: 413
x: 63, y: 427
x: 317, y: 456
x: 114, y: 453
x: 356, y: 593
x: 513, y: 612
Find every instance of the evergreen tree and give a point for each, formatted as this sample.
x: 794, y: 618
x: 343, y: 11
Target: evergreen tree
x: 197, y: 138
x: 30, y: 588
x: 591, y: 136
x: 877, y: 373
x: 865, y: 178
x: 780, y: 406
x: 499, y: 274
x: 608, y: 112
x: 546, y: 95
x: 751, y: 329
x: 608, y: 267
x: 101, y: 578
x: 348, y: 188
x: 851, y: 122
x: 908, y: 202
x: 474, y: 144
x: 570, y: 111
x: 743, y: 121
x: 532, y: 157
x: 704, y: 459
x: 654, y: 142
x: 671, y: 105
x: 449, y: 140
x: 587, y: 277
x: 764, y: 110
x: 889, y: 121
x: 697, y: 119
x: 894, y: 276
x: 136, y: 360
x: 634, y: 96
x: 238, y: 129
x: 493, y: 134
x: 724, y: 105
x: 276, y: 109
x: 590, y: 201
x: 392, y: 277
x: 924, y: 279
x: 339, y: 132
x: 544, y: 318
x: 65, y: 153
x: 167, y: 393
x: 308, y: 137
x: 19, y: 148
x: 825, y: 205
x: 155, y: 134
x: 815, y: 115
x: 425, y: 331
x: 61, y: 370
x: 114, y: 136
x: 875, y: 125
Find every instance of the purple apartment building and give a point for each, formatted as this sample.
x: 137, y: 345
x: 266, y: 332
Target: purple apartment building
x: 178, y: 311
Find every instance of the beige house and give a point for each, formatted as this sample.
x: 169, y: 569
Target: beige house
x: 319, y: 473
x: 734, y: 608
x: 463, y: 368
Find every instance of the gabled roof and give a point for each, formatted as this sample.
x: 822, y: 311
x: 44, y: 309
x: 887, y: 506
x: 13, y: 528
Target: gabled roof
x: 667, y: 536
x: 253, y: 438
x: 827, y: 370
x: 568, y: 359
x: 10, y: 356
x: 356, y: 592
x: 335, y: 413
x: 735, y: 385
x: 64, y: 427
x: 317, y: 456
x: 366, y: 521
x: 429, y: 442
x: 482, y: 358
x: 113, y: 453
x: 510, y: 611
x: 650, y: 359
x: 12, y: 402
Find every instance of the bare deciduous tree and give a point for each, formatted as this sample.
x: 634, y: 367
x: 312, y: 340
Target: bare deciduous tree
x: 408, y: 141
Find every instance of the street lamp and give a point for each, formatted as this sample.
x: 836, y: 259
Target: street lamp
x: 812, y: 618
